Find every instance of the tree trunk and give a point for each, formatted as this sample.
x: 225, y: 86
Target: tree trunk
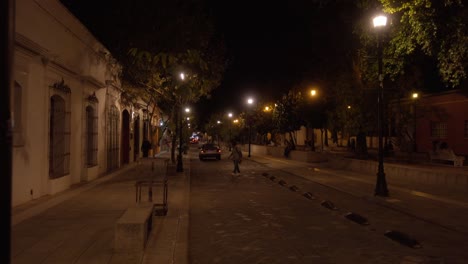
x: 326, y: 137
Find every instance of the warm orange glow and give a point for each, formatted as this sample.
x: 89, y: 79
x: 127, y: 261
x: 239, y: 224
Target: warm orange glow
x: 415, y: 95
x: 313, y: 92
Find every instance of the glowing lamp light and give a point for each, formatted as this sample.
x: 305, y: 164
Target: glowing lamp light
x: 380, y: 21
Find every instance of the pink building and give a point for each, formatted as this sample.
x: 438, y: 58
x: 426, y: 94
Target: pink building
x: 442, y: 117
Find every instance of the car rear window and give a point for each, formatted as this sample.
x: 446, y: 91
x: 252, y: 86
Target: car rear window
x: 210, y: 146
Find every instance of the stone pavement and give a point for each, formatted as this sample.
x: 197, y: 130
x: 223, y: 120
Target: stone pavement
x: 77, y: 226
x: 263, y: 216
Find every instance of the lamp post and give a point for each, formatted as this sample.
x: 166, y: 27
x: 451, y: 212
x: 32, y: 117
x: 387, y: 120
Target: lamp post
x: 180, y: 167
x: 381, y: 186
x: 230, y: 116
x: 218, y: 122
x: 250, y: 101
x: 415, y: 97
x: 313, y: 94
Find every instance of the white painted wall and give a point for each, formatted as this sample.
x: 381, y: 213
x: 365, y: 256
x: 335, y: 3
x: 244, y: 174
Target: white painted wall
x: 51, y: 45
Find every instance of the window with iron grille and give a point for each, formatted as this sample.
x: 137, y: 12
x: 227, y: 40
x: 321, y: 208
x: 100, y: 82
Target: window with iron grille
x: 59, y: 138
x: 91, y: 136
x: 113, y: 120
x: 466, y: 128
x: 439, y: 129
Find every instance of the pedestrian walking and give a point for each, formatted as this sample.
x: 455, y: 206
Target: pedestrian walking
x: 145, y: 147
x: 236, y: 156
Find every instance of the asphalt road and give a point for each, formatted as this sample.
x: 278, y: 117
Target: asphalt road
x: 255, y: 218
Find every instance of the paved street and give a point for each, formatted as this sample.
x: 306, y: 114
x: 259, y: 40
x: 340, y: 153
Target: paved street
x: 253, y: 219
x: 261, y: 216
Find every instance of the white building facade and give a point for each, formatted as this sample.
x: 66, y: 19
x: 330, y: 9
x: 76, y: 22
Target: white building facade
x: 69, y: 123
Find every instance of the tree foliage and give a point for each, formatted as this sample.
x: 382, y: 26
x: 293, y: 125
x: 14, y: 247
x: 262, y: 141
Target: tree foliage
x: 435, y: 28
x: 287, y: 116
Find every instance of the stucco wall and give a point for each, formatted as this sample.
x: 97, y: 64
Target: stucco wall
x: 51, y: 45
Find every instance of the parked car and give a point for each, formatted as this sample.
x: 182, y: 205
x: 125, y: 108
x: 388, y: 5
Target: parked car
x: 209, y: 150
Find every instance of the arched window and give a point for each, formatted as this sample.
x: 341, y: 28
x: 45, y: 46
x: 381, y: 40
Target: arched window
x: 17, y: 112
x: 91, y: 137
x: 59, y: 138
x: 113, y: 120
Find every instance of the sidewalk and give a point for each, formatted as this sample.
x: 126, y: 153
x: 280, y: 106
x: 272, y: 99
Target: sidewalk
x: 77, y: 226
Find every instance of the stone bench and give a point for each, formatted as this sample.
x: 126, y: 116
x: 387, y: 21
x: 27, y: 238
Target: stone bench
x: 132, y: 231
x: 447, y: 155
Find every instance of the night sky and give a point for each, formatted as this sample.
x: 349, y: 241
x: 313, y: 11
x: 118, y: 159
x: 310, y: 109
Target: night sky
x: 275, y: 46
x: 271, y: 46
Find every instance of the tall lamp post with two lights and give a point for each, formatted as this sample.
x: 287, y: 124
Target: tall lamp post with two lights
x: 179, y: 166
x: 381, y: 185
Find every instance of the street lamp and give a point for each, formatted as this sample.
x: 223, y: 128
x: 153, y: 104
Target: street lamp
x: 230, y: 116
x: 180, y: 167
x: 381, y: 186
x: 415, y: 97
x: 313, y: 94
x: 250, y: 101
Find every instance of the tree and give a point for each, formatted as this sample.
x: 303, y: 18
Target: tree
x: 154, y: 51
x: 287, y: 117
x: 425, y: 42
x: 438, y: 29
x: 215, y: 127
x: 264, y: 120
x: 160, y: 75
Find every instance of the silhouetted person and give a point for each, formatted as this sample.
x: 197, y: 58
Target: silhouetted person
x: 236, y: 156
x: 145, y: 147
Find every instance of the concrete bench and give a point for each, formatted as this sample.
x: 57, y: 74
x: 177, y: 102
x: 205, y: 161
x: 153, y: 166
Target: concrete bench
x: 132, y: 231
x: 447, y: 155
